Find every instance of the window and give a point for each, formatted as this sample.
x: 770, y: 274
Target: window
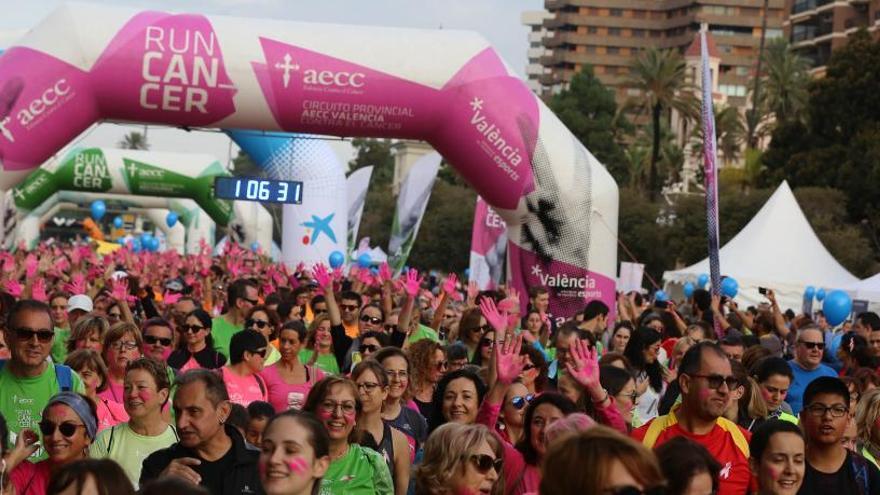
x: 592, y: 29
x: 639, y: 14
x: 732, y: 89
x: 612, y: 69
x: 742, y: 71
x: 613, y: 31
x: 613, y: 50
x: 638, y: 33
x: 656, y: 34
x: 616, y: 12
x: 590, y: 48
x: 777, y: 33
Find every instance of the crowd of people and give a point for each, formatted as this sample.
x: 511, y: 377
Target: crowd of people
x: 160, y: 373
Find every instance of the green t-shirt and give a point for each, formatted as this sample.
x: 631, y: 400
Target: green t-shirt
x: 325, y: 362
x: 222, y: 332
x: 424, y: 332
x: 59, y: 346
x: 22, y: 400
x: 129, y: 449
x: 360, y: 471
x: 273, y: 356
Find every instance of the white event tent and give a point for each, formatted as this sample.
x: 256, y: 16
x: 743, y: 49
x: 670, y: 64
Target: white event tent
x: 777, y: 249
x: 868, y: 289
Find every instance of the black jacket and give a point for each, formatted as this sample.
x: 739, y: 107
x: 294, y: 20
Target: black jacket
x: 207, y: 358
x: 242, y: 479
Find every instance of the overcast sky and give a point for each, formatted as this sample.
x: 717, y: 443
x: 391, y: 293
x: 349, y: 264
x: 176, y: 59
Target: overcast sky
x: 497, y: 20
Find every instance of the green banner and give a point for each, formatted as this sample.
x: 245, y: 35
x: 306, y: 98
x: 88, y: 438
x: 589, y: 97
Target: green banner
x: 86, y: 170
x: 35, y: 189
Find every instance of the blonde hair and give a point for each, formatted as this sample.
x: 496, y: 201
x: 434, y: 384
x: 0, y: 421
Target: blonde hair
x: 446, y: 449
x: 867, y: 412
x: 84, y: 327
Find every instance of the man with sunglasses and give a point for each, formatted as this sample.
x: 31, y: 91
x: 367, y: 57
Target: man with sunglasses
x: 28, y: 380
x: 240, y: 297
x: 806, y: 365
x: 707, y: 382
x: 350, y: 309
x: 830, y: 467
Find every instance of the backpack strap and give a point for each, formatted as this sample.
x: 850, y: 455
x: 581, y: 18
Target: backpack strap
x: 64, y: 375
x: 261, y: 384
x: 110, y: 442
x: 860, y: 471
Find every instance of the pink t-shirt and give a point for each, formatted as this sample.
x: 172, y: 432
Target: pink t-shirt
x: 191, y: 364
x: 242, y: 389
x: 30, y: 479
x: 114, y: 392
x: 110, y: 414
x: 283, y: 395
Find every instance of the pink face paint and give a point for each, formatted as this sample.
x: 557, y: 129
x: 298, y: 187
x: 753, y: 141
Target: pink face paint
x: 261, y: 466
x: 772, y: 473
x: 350, y: 418
x: 145, y: 395
x: 324, y: 415
x: 298, y: 465
x: 704, y: 394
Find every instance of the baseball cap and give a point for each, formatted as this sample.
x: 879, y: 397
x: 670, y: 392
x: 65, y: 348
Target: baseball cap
x: 81, y: 302
x: 175, y: 285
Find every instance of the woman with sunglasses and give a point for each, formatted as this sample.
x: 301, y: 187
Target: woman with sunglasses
x: 510, y: 428
x: 289, y: 380
x: 68, y: 426
x: 534, y: 373
x: 471, y: 330
x: 370, y: 343
x: 621, y: 385
x: 122, y: 345
x: 354, y: 470
x: 90, y: 367
x: 247, y: 351
x: 264, y: 320
x: 196, y: 348
x: 147, y: 390
x: 461, y: 460
x: 428, y: 364
x: 372, y: 385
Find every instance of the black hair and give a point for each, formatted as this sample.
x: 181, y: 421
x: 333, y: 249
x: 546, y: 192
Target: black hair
x: 206, y: 321
x: 870, y: 320
x: 762, y: 434
x: 171, y: 485
x: 284, y: 308
x: 770, y: 366
x: 702, y: 299
x: 297, y: 326
x: 318, y: 299
x: 237, y: 290
x: 351, y: 296
x: 731, y: 340
x: 215, y: 389
x: 381, y: 337
x: 238, y: 416
x: 26, y: 305
x: 613, y: 379
x: 272, y: 298
x: 260, y: 409
x: 826, y: 385
x: 561, y: 402
x: 681, y: 459
x: 456, y: 351
x: 374, y: 305
x: 245, y: 341
x: 856, y: 347
x: 595, y: 308
x: 437, y: 418
x: 641, y: 339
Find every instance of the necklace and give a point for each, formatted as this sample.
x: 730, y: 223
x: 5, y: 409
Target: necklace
x: 336, y: 457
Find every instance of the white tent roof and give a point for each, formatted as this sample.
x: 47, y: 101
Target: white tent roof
x: 777, y: 249
x: 868, y: 289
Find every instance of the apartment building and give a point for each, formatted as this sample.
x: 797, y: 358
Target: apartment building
x: 608, y: 34
x: 818, y: 27
x: 534, y: 21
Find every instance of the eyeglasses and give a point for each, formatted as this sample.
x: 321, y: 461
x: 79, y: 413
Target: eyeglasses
x: 24, y: 334
x: 442, y: 366
x: 631, y: 490
x: 260, y: 352
x: 348, y: 307
x: 819, y: 410
x: 518, y: 402
x: 486, y: 342
x: 191, y: 328
x: 482, y: 328
x: 253, y: 302
x: 812, y: 345
x: 367, y: 387
x: 400, y: 375
x: 371, y: 319
x: 632, y: 396
x: 484, y: 463
x: 715, y: 381
x: 370, y: 348
x: 528, y: 367
x: 261, y: 324
x: 120, y: 345
x: 47, y: 428
x: 329, y: 406
x: 152, y: 340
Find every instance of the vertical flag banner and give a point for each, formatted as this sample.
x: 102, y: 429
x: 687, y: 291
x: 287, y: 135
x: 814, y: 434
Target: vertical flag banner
x: 415, y: 191
x: 710, y: 174
x: 356, y: 186
x: 488, y: 247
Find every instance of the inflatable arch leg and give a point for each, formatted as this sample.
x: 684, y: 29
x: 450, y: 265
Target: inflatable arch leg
x: 84, y: 63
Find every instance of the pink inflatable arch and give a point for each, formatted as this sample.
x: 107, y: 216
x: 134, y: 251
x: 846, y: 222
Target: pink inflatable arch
x: 88, y: 63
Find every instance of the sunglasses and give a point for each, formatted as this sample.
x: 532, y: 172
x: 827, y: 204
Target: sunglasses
x: 348, y: 307
x: 47, y: 428
x: 25, y: 334
x: 715, y: 381
x: 442, y: 365
x: 371, y: 319
x: 252, y: 301
x: 482, y: 328
x: 528, y: 367
x: 152, y: 340
x: 486, y: 342
x: 260, y: 352
x: 484, y: 463
x: 370, y: 348
x: 813, y: 345
x: 191, y: 328
x: 518, y: 402
x: 261, y: 324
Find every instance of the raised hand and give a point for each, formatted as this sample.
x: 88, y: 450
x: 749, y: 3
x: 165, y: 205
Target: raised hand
x: 38, y: 290
x: 31, y: 265
x: 413, y: 282
x: 496, y: 318
x: 473, y: 290
x: 384, y: 272
x: 583, y: 365
x: 13, y: 288
x: 508, y: 362
x: 322, y: 277
x: 449, y: 284
x: 118, y: 288
x: 171, y: 297
x: 365, y: 277
x: 77, y: 284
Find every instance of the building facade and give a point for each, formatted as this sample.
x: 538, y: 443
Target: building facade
x: 815, y: 28
x: 534, y: 21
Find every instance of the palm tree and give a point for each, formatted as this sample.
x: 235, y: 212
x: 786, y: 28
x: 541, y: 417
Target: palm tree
x: 660, y: 75
x: 637, y: 157
x: 134, y: 141
x: 730, y: 132
x: 785, y: 83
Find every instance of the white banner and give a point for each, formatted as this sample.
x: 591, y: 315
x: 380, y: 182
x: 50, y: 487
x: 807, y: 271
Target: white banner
x: 415, y: 191
x: 630, y: 276
x: 356, y: 186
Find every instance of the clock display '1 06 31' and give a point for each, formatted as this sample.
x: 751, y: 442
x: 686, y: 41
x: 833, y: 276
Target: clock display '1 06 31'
x: 257, y: 189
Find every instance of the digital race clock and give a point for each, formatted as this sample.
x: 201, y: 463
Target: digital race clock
x: 256, y: 189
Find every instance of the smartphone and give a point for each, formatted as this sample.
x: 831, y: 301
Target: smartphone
x: 762, y: 291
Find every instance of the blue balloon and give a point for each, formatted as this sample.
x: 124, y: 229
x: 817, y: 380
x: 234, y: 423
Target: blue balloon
x: 661, y: 296
x: 837, y: 307
x: 171, y: 219
x: 255, y: 246
x: 135, y: 245
x: 702, y: 280
x: 809, y: 292
x: 467, y: 272
x: 337, y: 259
x: 121, y: 241
x: 729, y: 287
x: 688, y: 289
x: 820, y: 294
x: 117, y: 222
x: 364, y: 260
x: 154, y: 244
x: 98, y: 210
